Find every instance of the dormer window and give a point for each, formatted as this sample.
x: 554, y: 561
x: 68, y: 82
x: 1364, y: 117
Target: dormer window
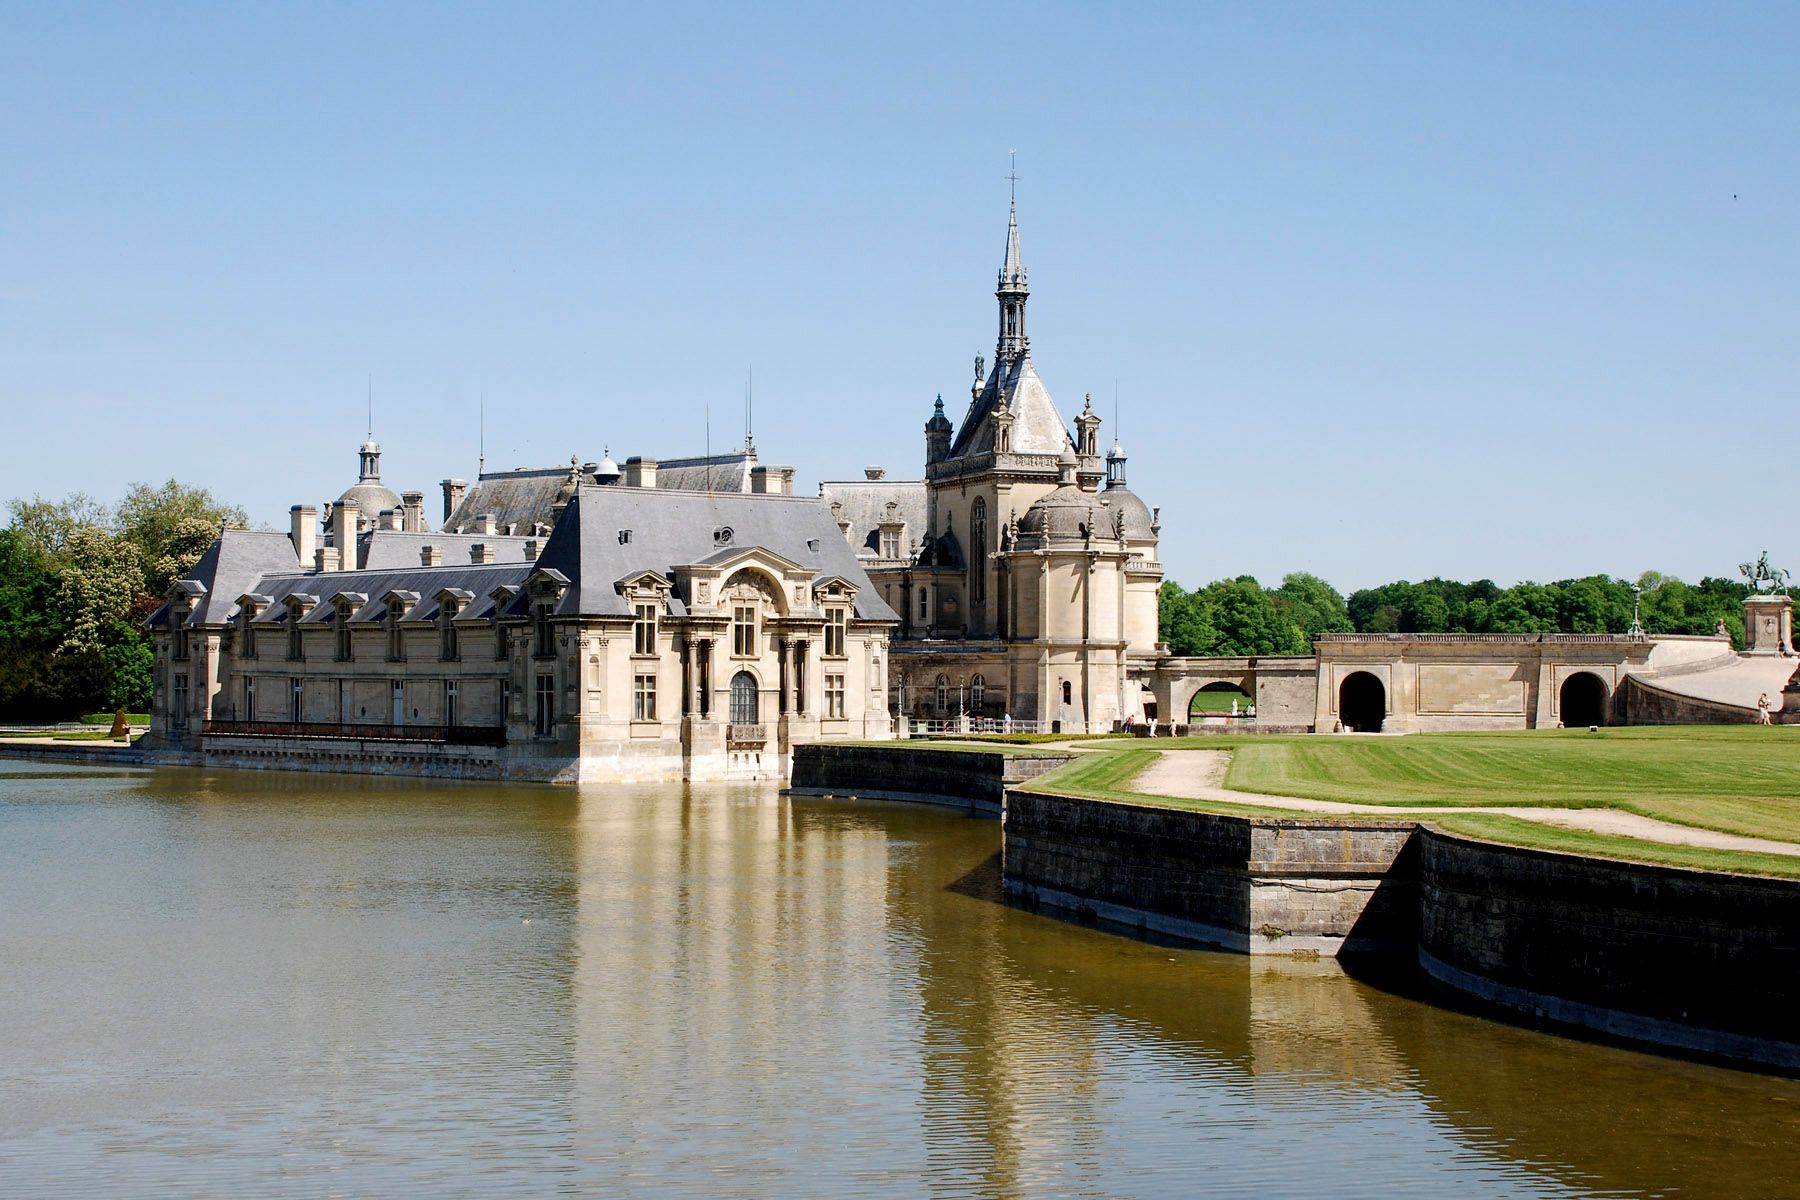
x: 643, y: 628
x: 890, y: 542
x: 296, y: 648
x: 396, y: 636
x: 624, y: 537
x: 449, y: 644
x: 247, y: 633
x: 341, y: 632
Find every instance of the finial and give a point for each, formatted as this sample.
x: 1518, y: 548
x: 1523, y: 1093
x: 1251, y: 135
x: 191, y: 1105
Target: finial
x: 1087, y: 406
x: 940, y: 404
x: 1013, y: 176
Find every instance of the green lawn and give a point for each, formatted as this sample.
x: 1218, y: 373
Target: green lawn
x: 1736, y: 779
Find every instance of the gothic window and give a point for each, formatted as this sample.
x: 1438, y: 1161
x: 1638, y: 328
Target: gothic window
x: 978, y: 549
x: 977, y: 694
x: 743, y: 631
x: 643, y: 629
x: 643, y: 698
x: 943, y: 693
x: 743, y: 698
x: 836, y: 624
x: 834, y: 696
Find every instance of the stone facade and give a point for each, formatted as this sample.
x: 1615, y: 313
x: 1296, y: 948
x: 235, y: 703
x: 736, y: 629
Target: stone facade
x: 652, y: 635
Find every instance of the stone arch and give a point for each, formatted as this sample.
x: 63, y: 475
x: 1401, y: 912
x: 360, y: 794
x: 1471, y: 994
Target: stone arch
x: 1214, y: 699
x: 1581, y: 701
x: 754, y: 583
x: 1362, y: 702
x: 745, y: 699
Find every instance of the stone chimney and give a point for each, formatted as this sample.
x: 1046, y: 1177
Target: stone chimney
x: 325, y: 558
x: 640, y: 471
x: 874, y: 473
x: 343, y: 533
x: 303, y: 531
x: 772, y: 481
x: 394, y: 519
x: 431, y: 556
x: 531, y: 549
x: 453, y: 496
x: 482, y: 552
x: 413, y: 505
x: 484, y: 524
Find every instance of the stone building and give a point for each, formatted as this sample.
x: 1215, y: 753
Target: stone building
x: 1023, y: 568
x: 633, y: 632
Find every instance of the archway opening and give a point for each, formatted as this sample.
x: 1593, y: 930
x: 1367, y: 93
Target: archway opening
x: 743, y: 698
x: 1583, y: 700
x: 1217, y: 699
x: 1362, y: 702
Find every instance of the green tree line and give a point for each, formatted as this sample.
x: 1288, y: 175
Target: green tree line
x: 77, y: 579
x: 1241, y: 617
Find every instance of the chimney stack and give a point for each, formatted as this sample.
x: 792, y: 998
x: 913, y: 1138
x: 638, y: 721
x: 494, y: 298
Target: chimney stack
x: 343, y: 533
x: 393, y: 518
x: 325, y: 559
x: 531, y: 549
x: 453, y: 496
x: 772, y: 481
x: 431, y: 556
x: 640, y: 471
x: 874, y: 473
x: 484, y: 524
x: 481, y: 552
x: 413, y: 505
x: 303, y: 531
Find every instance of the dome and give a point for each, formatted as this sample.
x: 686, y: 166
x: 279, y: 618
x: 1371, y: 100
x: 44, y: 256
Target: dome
x: 372, y: 497
x: 1061, y: 515
x: 606, y: 471
x: 1122, y: 500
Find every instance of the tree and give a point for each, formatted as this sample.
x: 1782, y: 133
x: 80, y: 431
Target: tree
x: 47, y: 526
x: 1316, y: 606
x: 172, y: 526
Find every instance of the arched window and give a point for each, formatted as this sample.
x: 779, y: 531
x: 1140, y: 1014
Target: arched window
x: 943, y: 693
x: 743, y: 698
x: 978, y: 549
x: 1068, y: 692
x: 977, y: 692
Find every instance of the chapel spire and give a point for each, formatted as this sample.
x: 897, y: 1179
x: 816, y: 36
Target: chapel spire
x: 1012, y: 293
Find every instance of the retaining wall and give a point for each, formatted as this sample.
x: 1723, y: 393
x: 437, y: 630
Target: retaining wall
x: 1695, y: 960
x: 1263, y: 886
x: 977, y: 780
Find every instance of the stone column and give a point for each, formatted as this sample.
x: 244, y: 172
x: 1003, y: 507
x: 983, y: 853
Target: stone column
x: 800, y: 681
x: 781, y: 689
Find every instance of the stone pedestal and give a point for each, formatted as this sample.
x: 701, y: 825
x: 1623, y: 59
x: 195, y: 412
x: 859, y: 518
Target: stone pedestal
x: 1768, y: 624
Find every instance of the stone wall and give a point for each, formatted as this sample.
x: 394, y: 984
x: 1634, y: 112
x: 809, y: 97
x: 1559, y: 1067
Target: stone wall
x: 1695, y: 960
x: 1642, y: 703
x: 1303, y: 886
x: 972, y: 779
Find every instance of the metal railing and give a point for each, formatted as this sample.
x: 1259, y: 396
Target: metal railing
x: 450, y: 735
x: 918, y: 726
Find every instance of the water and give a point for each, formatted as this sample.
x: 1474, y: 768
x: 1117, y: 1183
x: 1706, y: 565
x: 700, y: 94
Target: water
x: 241, y: 984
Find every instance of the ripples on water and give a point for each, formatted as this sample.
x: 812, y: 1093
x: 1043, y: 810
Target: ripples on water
x: 284, y: 985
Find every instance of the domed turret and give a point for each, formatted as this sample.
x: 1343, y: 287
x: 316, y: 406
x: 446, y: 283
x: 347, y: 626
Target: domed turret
x: 371, y: 495
x: 606, y: 471
x: 937, y: 434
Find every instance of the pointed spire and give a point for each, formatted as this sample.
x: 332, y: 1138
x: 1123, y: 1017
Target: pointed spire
x: 1013, y: 270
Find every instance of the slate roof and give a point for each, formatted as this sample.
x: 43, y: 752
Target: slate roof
x: 426, y: 582
x: 525, y: 497
x: 676, y: 528
x: 864, y: 504
x: 393, y: 549
x: 1037, y: 426
x: 232, y: 566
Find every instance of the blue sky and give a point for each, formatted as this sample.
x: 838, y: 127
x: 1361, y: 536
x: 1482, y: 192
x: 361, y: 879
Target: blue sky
x: 1503, y: 291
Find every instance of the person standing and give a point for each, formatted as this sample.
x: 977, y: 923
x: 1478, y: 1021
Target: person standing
x: 1762, y: 710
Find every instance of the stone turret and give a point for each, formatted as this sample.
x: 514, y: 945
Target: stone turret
x: 937, y: 434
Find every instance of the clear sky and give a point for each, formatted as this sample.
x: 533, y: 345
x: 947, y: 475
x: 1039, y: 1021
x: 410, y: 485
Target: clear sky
x: 1385, y: 292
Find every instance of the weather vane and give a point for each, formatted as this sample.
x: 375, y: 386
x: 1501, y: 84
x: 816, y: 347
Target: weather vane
x: 1012, y: 176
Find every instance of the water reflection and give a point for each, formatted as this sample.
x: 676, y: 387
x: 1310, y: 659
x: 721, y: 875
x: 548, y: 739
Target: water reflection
x: 230, y: 984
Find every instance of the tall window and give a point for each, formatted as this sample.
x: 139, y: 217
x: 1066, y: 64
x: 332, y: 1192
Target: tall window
x: 296, y: 648
x: 179, y: 701
x: 546, y: 705
x: 249, y: 698
x: 943, y: 693
x: 836, y: 621
x: 396, y: 637
x: 247, y: 635
x: 450, y: 699
x: 643, y: 698
x: 643, y: 629
x: 978, y: 549
x: 178, y: 626
x: 449, y: 637
x: 295, y: 709
x: 890, y: 543
x: 977, y: 694
x: 834, y: 695
x: 501, y: 640
x: 544, y: 648
x: 341, y: 631
x: 1068, y: 692
x: 743, y: 630
x: 924, y: 605
x: 743, y: 698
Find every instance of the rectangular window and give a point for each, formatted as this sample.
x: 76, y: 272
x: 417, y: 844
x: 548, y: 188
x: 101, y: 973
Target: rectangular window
x: 449, y: 638
x: 834, y: 695
x: 295, y: 708
x: 890, y: 543
x: 396, y: 637
x: 546, y: 705
x: 643, y: 698
x: 450, y: 715
x: 505, y: 701
x: 249, y: 698
x: 545, y: 648
x: 296, y: 648
x: 178, y: 626
x: 501, y: 641
x: 178, y: 703
x: 643, y: 629
x: 341, y: 633
x: 924, y: 609
x: 743, y: 631
x: 247, y: 647
x: 836, y: 621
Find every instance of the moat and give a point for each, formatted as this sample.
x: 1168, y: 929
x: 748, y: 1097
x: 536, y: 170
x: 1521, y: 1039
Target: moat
x: 233, y: 983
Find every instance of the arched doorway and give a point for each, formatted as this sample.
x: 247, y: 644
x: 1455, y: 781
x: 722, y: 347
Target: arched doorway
x: 1362, y: 702
x: 743, y: 698
x: 1216, y: 699
x: 1583, y: 700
